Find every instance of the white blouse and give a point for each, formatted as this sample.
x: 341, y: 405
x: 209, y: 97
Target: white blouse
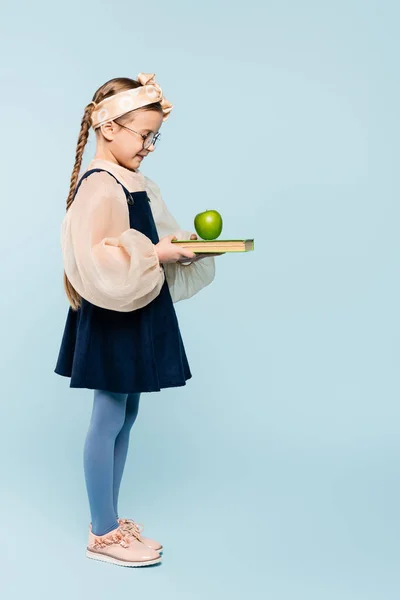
x: 116, y: 267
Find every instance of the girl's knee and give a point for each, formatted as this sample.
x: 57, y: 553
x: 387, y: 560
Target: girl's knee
x: 109, y: 411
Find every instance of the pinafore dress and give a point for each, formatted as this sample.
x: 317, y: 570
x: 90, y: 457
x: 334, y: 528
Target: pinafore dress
x: 137, y: 351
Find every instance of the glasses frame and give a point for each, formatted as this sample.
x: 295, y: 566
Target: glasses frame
x: 156, y: 136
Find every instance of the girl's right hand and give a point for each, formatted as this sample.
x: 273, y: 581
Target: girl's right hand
x: 170, y: 253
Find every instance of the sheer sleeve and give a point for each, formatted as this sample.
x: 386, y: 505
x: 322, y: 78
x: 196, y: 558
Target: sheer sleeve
x: 183, y: 280
x: 108, y: 263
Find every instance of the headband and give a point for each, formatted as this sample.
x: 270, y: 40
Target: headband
x: 114, y: 106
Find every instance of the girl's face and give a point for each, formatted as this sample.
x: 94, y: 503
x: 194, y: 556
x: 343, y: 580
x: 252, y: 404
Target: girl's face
x: 117, y: 144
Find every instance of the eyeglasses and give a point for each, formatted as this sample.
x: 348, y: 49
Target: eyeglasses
x: 148, y: 140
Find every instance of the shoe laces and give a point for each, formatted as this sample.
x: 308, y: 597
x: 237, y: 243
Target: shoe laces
x: 134, y: 528
x: 118, y: 537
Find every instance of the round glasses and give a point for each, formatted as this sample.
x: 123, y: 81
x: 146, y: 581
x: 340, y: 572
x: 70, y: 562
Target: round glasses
x: 148, y: 139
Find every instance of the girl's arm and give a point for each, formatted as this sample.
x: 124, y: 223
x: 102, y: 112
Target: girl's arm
x: 108, y: 263
x: 183, y: 280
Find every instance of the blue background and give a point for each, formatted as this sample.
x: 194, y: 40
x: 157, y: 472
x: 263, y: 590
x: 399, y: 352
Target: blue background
x: 274, y: 473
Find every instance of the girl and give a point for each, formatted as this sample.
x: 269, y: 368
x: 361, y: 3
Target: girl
x: 122, y: 274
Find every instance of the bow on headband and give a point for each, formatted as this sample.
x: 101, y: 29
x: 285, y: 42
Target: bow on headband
x: 114, y: 106
x: 149, y: 79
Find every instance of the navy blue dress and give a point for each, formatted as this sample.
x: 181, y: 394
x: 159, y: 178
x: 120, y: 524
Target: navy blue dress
x: 137, y: 351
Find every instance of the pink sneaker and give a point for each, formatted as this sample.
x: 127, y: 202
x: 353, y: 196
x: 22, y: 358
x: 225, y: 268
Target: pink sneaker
x: 136, y: 529
x: 121, y: 547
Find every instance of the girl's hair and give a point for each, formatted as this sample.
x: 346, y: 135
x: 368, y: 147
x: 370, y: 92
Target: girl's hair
x: 111, y: 87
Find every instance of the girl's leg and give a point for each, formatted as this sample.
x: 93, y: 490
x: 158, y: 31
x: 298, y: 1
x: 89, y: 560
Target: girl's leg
x: 122, y: 444
x: 107, y: 419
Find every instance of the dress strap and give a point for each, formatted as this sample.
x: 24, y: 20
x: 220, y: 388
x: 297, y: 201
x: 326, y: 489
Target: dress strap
x: 127, y: 193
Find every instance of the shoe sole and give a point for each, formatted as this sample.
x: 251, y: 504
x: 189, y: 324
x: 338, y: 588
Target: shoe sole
x: 122, y: 563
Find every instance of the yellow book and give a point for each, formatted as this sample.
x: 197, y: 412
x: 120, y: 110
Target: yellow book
x: 203, y: 246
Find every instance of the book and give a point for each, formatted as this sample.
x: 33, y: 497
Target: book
x: 203, y: 246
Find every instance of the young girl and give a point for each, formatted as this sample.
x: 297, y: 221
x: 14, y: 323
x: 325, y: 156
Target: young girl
x: 122, y: 276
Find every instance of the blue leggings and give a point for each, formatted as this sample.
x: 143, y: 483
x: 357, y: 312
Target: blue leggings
x: 105, y: 452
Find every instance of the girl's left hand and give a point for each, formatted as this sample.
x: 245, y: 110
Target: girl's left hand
x: 200, y: 255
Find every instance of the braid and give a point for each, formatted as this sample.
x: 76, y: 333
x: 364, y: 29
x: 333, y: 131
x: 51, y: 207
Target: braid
x: 75, y: 299
x: 82, y: 140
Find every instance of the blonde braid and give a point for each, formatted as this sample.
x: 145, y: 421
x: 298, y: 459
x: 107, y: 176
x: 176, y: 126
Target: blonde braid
x: 74, y: 298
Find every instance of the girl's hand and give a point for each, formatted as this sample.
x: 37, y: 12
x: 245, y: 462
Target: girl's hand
x: 168, y: 252
x: 199, y: 256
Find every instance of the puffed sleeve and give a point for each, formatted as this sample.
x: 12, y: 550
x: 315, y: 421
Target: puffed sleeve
x: 108, y: 263
x: 183, y: 280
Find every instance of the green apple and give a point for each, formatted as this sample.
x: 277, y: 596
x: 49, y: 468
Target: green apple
x: 208, y: 224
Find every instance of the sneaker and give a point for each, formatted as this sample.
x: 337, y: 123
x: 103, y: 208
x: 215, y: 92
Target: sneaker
x: 121, y: 547
x: 136, y: 529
